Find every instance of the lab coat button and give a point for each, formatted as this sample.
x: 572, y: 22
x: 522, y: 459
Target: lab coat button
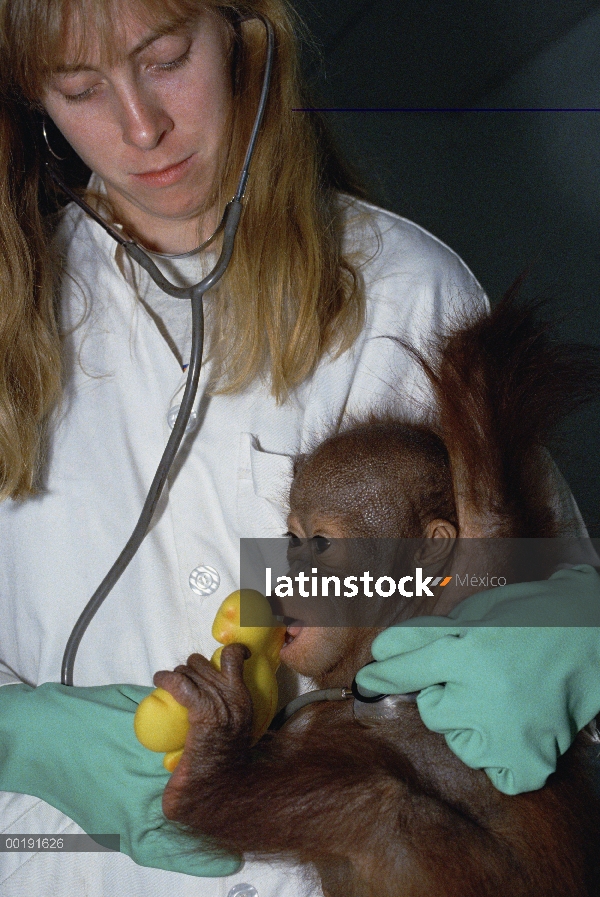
x: 204, y: 580
x: 243, y: 890
x: 192, y: 420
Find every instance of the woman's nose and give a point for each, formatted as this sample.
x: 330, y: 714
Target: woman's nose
x: 145, y: 121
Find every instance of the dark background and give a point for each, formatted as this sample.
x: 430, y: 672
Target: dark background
x: 507, y: 190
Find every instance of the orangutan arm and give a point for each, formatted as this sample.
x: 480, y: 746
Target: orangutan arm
x: 330, y: 794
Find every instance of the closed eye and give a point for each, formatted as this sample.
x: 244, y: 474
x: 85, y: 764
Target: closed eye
x: 174, y: 63
x: 79, y: 97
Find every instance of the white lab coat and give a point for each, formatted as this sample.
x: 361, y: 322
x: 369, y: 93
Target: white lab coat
x: 231, y: 481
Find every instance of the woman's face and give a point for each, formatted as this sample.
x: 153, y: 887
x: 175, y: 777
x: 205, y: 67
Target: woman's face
x: 153, y: 125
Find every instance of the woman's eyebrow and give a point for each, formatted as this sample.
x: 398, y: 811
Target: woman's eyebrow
x: 155, y: 35
x: 164, y: 31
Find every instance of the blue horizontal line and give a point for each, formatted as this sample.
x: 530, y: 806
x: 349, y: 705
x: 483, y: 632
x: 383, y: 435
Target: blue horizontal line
x: 444, y: 109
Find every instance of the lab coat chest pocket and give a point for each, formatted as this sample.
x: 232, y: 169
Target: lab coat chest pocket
x: 264, y: 480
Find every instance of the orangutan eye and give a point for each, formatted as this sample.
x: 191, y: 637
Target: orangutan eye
x: 294, y: 541
x: 321, y: 544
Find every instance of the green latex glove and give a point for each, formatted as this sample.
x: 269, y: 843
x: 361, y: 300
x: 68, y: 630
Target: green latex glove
x: 76, y: 749
x: 509, y: 677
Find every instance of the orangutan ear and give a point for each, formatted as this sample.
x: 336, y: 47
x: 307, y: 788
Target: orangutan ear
x: 437, y: 544
x: 440, y: 529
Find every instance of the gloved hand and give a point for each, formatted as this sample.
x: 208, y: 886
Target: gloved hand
x: 76, y: 749
x: 509, y: 677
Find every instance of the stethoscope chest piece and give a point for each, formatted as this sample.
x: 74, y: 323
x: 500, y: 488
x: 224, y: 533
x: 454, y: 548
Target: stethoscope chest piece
x: 370, y: 708
x: 389, y: 708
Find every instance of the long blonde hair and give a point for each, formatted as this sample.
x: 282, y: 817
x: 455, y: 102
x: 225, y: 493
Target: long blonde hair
x: 289, y: 296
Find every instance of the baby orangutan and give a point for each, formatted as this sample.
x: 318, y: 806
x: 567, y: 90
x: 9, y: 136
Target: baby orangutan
x: 388, y: 810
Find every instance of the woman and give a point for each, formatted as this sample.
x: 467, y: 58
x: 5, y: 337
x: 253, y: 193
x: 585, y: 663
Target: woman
x: 157, y: 98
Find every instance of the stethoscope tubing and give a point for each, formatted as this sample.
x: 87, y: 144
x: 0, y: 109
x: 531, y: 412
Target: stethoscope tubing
x: 229, y: 225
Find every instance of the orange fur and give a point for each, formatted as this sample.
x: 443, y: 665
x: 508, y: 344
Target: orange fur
x: 389, y: 811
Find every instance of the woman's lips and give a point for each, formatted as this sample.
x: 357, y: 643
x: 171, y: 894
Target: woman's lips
x: 164, y: 177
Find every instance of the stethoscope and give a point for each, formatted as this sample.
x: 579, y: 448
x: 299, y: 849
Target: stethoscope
x: 228, y: 225
x: 369, y: 708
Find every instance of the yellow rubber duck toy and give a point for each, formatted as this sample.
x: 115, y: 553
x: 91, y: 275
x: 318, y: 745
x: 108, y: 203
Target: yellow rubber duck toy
x: 161, y: 724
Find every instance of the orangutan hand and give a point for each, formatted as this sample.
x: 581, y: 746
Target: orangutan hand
x: 220, y: 717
